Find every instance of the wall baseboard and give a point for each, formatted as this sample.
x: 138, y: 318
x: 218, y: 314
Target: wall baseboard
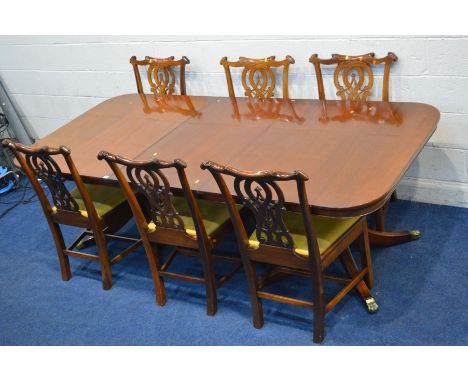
x: 434, y: 191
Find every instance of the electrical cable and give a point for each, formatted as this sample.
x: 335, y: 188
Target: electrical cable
x: 6, y: 159
x: 15, y: 203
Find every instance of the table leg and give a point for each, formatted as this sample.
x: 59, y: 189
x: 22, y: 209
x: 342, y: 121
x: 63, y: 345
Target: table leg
x: 386, y: 238
x: 380, y: 237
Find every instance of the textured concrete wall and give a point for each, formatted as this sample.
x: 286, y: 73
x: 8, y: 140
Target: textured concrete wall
x: 53, y: 79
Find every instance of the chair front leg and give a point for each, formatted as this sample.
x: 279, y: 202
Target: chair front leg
x: 366, y: 258
x: 350, y: 266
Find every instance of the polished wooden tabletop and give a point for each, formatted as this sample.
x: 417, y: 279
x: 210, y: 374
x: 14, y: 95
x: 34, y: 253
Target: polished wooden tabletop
x: 354, y: 153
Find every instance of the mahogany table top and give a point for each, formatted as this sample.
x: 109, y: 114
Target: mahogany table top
x: 354, y: 153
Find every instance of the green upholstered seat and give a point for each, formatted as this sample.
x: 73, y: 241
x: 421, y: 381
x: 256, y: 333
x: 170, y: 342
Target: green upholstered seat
x: 104, y: 198
x: 329, y: 230
x: 213, y: 215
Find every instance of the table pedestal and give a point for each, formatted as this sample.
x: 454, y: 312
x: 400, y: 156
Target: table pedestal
x: 380, y: 237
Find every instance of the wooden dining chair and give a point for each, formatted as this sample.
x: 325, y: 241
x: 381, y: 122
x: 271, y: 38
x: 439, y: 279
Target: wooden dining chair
x: 293, y: 243
x: 258, y: 76
x: 160, y: 73
x: 353, y: 76
x: 97, y: 209
x: 192, y: 226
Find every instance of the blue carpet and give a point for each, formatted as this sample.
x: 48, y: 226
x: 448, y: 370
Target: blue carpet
x: 421, y: 288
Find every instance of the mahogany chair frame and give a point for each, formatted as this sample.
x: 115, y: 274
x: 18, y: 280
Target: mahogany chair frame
x: 40, y: 165
x: 160, y: 74
x: 264, y: 85
x: 276, y: 245
x: 350, y: 65
x: 148, y: 179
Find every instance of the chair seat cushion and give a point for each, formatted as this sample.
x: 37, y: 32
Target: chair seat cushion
x: 105, y: 198
x: 329, y: 230
x: 213, y: 214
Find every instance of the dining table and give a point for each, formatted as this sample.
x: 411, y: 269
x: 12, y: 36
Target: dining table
x: 354, y: 153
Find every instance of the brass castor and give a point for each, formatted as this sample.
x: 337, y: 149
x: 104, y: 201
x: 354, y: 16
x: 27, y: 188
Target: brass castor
x: 372, y: 306
x: 415, y: 234
x: 86, y: 242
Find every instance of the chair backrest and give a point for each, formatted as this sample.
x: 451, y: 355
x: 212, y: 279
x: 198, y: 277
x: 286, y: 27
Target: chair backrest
x: 148, y: 179
x: 258, y: 78
x: 353, y: 76
x: 39, y: 164
x: 160, y: 73
x: 261, y: 193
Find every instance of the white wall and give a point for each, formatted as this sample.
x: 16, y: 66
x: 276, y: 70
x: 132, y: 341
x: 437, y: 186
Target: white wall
x: 53, y: 79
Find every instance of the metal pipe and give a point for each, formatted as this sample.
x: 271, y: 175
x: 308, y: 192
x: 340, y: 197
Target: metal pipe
x: 19, y: 129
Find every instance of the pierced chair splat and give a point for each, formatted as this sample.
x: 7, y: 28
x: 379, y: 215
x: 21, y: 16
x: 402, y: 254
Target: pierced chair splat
x: 160, y: 74
x: 258, y: 75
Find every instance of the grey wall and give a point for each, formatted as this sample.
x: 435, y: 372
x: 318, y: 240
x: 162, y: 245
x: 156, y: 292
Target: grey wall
x: 53, y: 79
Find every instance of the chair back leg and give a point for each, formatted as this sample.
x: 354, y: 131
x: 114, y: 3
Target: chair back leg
x: 60, y: 246
x: 255, y: 301
x: 103, y: 258
x: 210, y: 281
x: 155, y: 266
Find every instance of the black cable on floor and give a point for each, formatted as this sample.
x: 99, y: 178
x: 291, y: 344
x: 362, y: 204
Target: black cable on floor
x: 16, y: 203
